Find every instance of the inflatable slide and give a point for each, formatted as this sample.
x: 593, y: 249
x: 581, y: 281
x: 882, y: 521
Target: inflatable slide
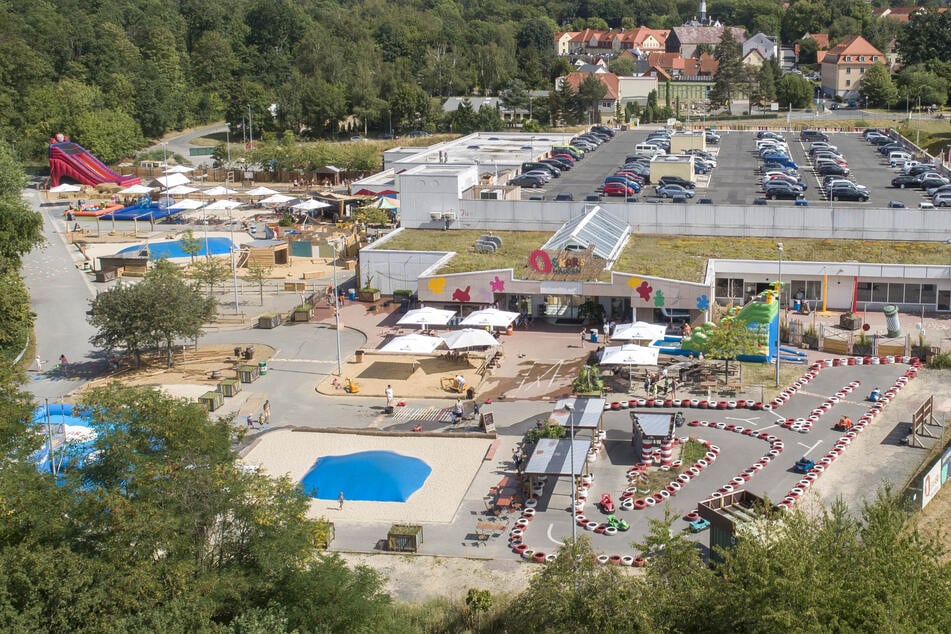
x: 73, y: 160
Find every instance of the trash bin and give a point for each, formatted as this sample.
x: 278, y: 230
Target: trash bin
x: 352, y: 294
x: 358, y: 356
x: 262, y: 367
x: 594, y: 335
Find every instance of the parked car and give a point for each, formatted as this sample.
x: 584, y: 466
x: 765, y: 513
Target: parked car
x: 942, y: 200
x: 921, y: 168
x: 604, y: 129
x: 526, y: 180
x: 667, y: 191
x: 782, y: 178
x: 813, y: 135
x: 781, y: 190
x: 905, y: 180
x: 676, y: 180
x: 851, y: 191
x: 592, y: 198
x: 934, y: 191
x: 618, y: 189
x: 929, y: 181
x: 896, y: 204
x: 712, y: 138
x: 634, y: 185
x: 827, y: 169
x: 560, y: 164
x: 538, y: 165
x: 822, y: 146
x: 564, y: 196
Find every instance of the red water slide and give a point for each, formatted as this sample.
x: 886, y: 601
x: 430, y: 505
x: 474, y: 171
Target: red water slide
x: 73, y: 160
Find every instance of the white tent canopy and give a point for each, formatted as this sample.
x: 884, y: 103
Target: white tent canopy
x: 468, y: 338
x: 427, y: 315
x: 136, y: 190
x: 181, y: 190
x: 260, y: 191
x: 412, y: 344
x: 171, y: 180
x: 187, y: 204
x: 276, y: 199
x: 640, y: 330
x: 222, y: 205
x: 492, y: 317
x: 310, y: 204
x: 179, y: 169
x: 64, y: 188
x: 219, y: 191
x: 629, y: 354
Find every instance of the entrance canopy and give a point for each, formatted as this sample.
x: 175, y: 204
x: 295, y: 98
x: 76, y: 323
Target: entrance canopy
x: 583, y: 413
x: 640, y: 331
x: 553, y: 456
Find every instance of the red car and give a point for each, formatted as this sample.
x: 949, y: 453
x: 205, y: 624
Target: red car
x: 564, y: 157
x: 631, y: 175
x: 618, y: 189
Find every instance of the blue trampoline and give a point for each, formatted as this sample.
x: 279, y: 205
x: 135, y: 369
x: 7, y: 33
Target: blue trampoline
x: 152, y: 211
x: 173, y: 248
x: 372, y: 476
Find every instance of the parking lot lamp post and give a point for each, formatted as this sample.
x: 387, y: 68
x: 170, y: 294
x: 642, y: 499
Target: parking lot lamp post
x: 571, y: 462
x: 779, y: 305
x: 918, y: 124
x: 334, y: 245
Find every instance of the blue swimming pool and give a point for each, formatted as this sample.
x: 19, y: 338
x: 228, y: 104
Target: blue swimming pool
x: 373, y: 476
x: 173, y: 248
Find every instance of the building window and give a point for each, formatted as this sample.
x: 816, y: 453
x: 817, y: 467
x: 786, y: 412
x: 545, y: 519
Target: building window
x: 874, y: 58
x: 861, y: 58
x: 896, y: 293
x: 848, y: 82
x: 848, y: 58
x: 862, y: 71
x: 848, y: 71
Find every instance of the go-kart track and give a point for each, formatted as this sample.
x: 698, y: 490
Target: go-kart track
x: 750, y: 446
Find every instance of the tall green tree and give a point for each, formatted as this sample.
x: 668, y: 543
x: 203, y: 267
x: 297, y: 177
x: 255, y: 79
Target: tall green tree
x: 733, y: 338
x: 590, y: 93
x: 877, y: 86
x: 794, y: 90
x: 730, y: 73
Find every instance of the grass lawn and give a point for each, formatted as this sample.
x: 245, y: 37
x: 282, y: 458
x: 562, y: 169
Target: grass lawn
x: 673, y: 257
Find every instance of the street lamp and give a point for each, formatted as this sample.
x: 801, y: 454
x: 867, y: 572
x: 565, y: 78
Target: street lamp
x: 334, y: 245
x: 779, y: 305
x: 918, y: 124
x: 571, y: 461
x: 234, y: 263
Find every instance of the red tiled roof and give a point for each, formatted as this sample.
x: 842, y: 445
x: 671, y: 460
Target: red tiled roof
x: 852, y: 46
x: 822, y: 39
x: 608, y: 79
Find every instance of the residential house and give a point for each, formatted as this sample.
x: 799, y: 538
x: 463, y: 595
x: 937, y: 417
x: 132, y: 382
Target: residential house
x: 767, y: 46
x: 686, y: 39
x: 690, y: 78
x: 844, y: 65
x: 641, y: 40
x: 619, y: 90
x: 900, y: 14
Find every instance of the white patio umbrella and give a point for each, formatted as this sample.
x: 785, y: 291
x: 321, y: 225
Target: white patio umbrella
x: 491, y: 317
x: 260, y: 191
x: 412, y: 344
x: 310, y: 204
x: 136, y: 190
x: 276, y: 199
x: 640, y: 330
x: 179, y: 169
x: 223, y: 205
x: 187, y: 204
x: 468, y: 338
x: 64, y: 188
x: 219, y: 191
x: 427, y: 315
x: 181, y: 190
x: 171, y: 180
x: 629, y: 354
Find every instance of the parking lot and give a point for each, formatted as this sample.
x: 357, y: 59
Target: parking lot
x: 737, y: 180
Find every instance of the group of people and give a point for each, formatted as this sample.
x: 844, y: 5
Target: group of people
x: 660, y: 384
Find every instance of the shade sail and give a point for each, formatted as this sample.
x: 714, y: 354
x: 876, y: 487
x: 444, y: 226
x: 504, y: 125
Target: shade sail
x: 629, y: 354
x: 557, y: 457
x: 582, y: 413
x: 181, y: 190
x: 171, y: 180
x: 468, y: 338
x: 640, y: 330
x: 492, y: 317
x: 427, y: 315
x: 223, y: 205
x: 412, y: 344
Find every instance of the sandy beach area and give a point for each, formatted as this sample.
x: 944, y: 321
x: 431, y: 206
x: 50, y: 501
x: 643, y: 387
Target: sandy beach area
x: 454, y: 463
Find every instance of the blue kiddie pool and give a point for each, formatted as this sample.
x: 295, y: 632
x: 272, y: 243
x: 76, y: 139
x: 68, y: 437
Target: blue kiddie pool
x: 73, y: 437
x: 371, y: 476
x: 170, y: 249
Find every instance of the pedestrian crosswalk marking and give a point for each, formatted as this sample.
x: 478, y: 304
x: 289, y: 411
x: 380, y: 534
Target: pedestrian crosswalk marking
x: 421, y: 413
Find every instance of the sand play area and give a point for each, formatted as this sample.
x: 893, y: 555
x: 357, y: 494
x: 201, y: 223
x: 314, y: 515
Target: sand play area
x: 454, y: 462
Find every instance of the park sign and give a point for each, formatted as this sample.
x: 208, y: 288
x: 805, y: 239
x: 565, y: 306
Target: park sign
x: 564, y: 265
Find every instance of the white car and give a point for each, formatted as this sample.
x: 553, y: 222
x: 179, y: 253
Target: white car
x: 908, y: 165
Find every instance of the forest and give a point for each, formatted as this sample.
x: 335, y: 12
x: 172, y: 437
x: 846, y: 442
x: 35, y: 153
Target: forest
x: 113, y: 73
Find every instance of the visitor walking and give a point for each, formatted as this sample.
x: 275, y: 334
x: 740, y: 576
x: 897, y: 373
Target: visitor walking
x: 63, y: 363
x: 340, y: 501
x: 39, y: 364
x: 250, y: 422
x: 266, y: 413
x: 388, y: 392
